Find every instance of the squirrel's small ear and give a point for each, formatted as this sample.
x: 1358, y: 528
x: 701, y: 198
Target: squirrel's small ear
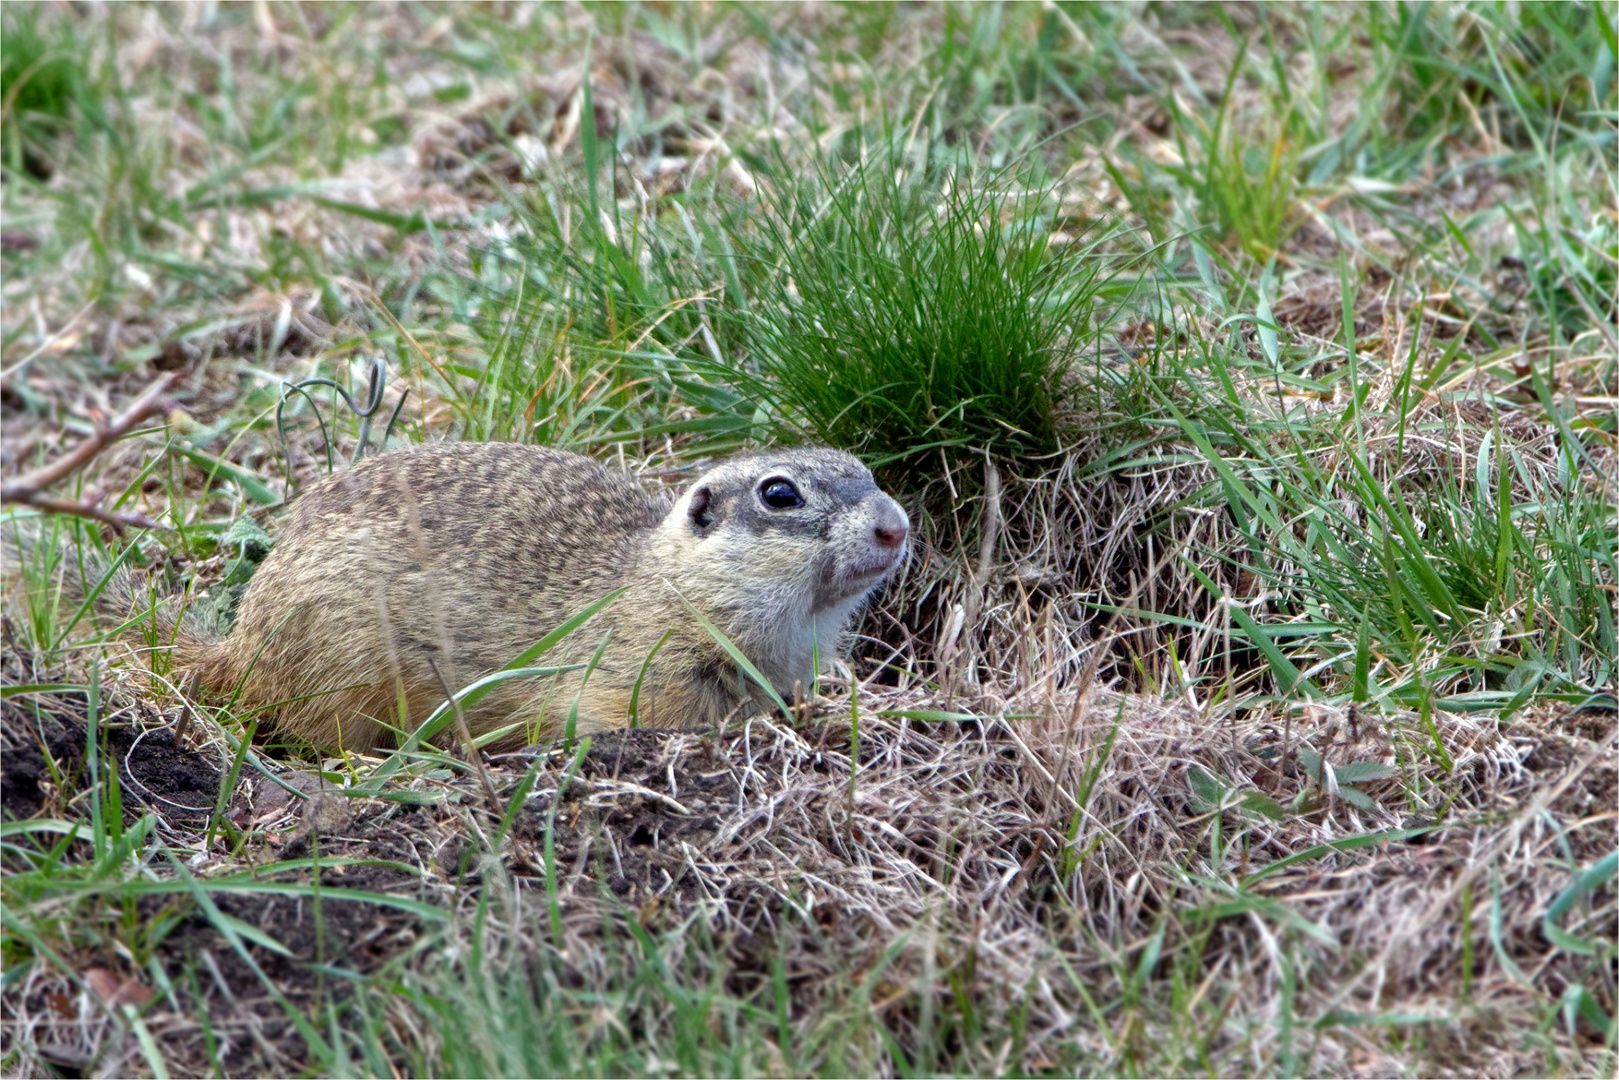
x: 698, y: 512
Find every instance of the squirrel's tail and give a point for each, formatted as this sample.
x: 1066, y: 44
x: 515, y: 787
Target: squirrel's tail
x: 114, y: 596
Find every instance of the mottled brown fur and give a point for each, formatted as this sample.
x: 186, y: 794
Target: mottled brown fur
x: 458, y: 557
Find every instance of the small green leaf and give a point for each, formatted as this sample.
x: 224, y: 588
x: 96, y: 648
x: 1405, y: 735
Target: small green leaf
x: 254, y: 934
x: 33, y: 825
x: 1341, y: 1018
x: 1356, y: 798
x: 1263, y: 805
x: 244, y: 530
x: 39, y: 688
x: 933, y: 716
x: 1265, y: 322
x: 1592, y: 879
x: 1360, y: 772
x: 250, y: 485
x: 1207, y: 793
x: 410, y: 798
x: 1275, y: 910
x: 1350, y: 843
x: 404, y: 223
x: 1577, y: 1001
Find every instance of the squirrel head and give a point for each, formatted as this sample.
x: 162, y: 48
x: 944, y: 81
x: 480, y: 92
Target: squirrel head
x: 782, y: 547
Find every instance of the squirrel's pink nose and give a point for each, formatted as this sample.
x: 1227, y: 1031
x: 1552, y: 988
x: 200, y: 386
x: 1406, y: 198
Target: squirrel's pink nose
x: 892, y: 525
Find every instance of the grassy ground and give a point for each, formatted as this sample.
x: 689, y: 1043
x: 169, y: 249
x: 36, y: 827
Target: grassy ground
x: 1251, y: 376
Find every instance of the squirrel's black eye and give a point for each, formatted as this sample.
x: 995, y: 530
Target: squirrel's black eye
x: 779, y: 494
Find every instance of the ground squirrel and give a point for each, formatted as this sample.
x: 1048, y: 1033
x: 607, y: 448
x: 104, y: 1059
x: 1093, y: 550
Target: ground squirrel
x: 458, y: 557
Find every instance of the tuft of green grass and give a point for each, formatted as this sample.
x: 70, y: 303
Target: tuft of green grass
x: 902, y: 307
x: 1245, y: 182
x: 1251, y: 190
x: 1475, y: 592
x: 1517, y: 71
x: 641, y: 1012
x: 44, y: 87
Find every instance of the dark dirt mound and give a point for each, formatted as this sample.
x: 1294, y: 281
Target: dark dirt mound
x: 326, y: 946
x: 42, y: 758
x: 641, y: 795
x: 30, y: 741
x: 321, y: 944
